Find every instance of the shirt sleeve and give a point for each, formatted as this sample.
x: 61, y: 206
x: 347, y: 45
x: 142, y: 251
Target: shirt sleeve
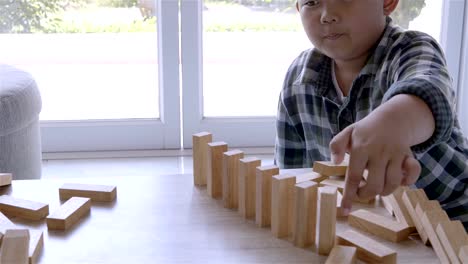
x: 420, y: 70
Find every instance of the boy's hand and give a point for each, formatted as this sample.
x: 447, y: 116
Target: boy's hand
x: 375, y: 143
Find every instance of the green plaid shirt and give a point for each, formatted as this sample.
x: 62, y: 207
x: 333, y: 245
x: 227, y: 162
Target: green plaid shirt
x: 403, y: 62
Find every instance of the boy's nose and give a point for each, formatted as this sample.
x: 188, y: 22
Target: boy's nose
x: 329, y: 16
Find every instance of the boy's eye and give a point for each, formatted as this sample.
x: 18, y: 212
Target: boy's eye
x: 311, y: 2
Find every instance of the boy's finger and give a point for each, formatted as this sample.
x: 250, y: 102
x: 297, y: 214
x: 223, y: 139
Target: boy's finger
x: 412, y: 170
x: 394, y: 175
x: 339, y: 145
x: 357, y: 164
x: 375, y: 180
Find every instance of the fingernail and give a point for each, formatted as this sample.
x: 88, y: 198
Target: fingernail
x: 346, y: 211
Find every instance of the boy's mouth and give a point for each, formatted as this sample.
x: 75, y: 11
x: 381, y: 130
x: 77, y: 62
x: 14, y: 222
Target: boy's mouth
x: 333, y: 36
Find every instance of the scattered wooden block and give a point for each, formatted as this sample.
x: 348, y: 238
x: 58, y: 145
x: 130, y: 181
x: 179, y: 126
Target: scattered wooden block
x: 379, y: 225
x: 452, y: 236
x: 97, y: 193
x: 429, y: 221
x: 395, y: 200
x: 247, y: 172
x: 5, y: 179
x: 215, y: 168
x: 305, y: 214
x: 36, y: 244
x: 463, y: 254
x: 310, y: 176
x: 23, y: 208
x: 410, y: 199
x: 326, y: 219
x: 328, y: 168
x: 200, y: 157
x: 5, y: 224
x: 15, y: 247
x: 282, y: 205
x: 342, y: 255
x: 263, y: 194
x: 69, y: 213
x: 230, y: 178
x: 422, y: 207
x: 368, y: 249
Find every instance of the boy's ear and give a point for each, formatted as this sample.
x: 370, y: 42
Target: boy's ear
x: 390, y: 6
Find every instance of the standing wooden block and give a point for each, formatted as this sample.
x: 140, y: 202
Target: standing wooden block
x: 410, y: 199
x: 452, y: 236
x: 200, y: 157
x: 328, y: 168
x: 342, y: 255
x: 368, y: 249
x: 230, y: 178
x: 326, y: 219
x: 215, y: 168
x: 378, y: 225
x: 247, y: 172
x: 5, y: 224
x: 282, y: 205
x: 263, y: 194
x: 463, y: 254
x: 69, y: 213
x: 97, y: 193
x: 399, y: 209
x: 422, y: 207
x: 5, y: 179
x: 15, y: 247
x: 305, y: 214
x: 23, y: 208
x: 36, y: 244
x: 429, y: 221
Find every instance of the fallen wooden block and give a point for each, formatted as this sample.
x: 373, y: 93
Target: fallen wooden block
x: 305, y: 214
x: 342, y: 255
x: 379, y: 225
x: 230, y: 178
x: 200, y: 157
x: 339, y: 209
x: 326, y: 218
x: 328, y: 168
x: 463, y: 254
x: 69, y: 213
x: 246, y: 185
x: 452, y: 236
x: 368, y: 249
x: 310, y: 176
x: 263, y: 194
x: 15, y: 246
x: 387, y: 204
x: 422, y: 207
x: 97, y: 193
x: 410, y: 199
x: 429, y: 221
x: 395, y: 201
x: 23, y: 208
x: 282, y: 205
x: 214, y: 178
x: 5, y: 179
x: 36, y: 244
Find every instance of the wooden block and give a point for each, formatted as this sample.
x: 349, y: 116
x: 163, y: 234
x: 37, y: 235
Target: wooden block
x: 230, y: 178
x: 247, y: 172
x: 342, y: 255
x: 387, y: 204
x: 5, y: 224
x: 452, y: 236
x: 5, y: 179
x: 410, y: 199
x: 395, y: 201
x: 36, y: 244
x: 305, y: 214
x: 263, y: 194
x: 200, y: 157
x: 69, y: 213
x: 339, y: 184
x: 326, y: 219
x: 368, y: 250
x: 15, y: 247
x: 328, y: 168
x: 378, y: 225
x: 23, y: 208
x: 463, y: 254
x: 310, y: 176
x: 215, y: 169
x: 429, y: 221
x: 339, y: 209
x: 422, y: 207
x: 97, y: 193
x: 282, y: 205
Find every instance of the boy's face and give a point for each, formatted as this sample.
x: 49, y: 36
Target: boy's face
x: 344, y: 29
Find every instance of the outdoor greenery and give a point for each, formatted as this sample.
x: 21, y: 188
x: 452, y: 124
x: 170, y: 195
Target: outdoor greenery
x: 47, y: 16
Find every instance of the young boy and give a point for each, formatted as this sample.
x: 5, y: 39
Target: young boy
x: 379, y: 93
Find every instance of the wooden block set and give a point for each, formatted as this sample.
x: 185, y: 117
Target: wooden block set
x: 304, y: 207
x: 21, y: 245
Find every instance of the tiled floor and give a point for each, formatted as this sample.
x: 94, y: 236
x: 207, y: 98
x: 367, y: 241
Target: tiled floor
x: 77, y: 168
